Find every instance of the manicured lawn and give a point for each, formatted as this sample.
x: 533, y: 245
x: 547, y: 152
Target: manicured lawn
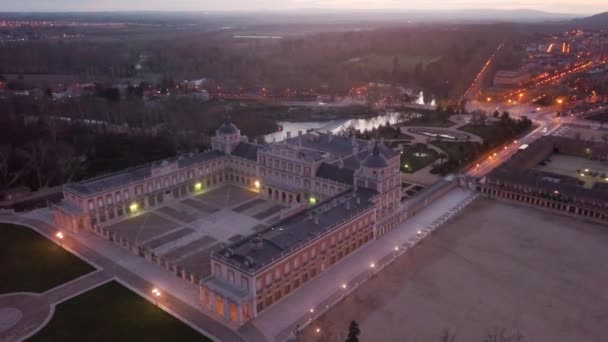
x: 29, y: 262
x: 411, y: 163
x: 113, y: 313
x: 485, y: 132
x: 458, y: 150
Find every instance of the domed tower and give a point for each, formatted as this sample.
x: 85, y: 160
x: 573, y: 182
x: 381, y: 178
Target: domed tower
x: 226, y: 138
x: 373, y: 170
x: 380, y: 171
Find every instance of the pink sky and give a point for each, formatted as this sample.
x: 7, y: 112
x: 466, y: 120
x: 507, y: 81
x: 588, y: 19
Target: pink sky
x: 561, y: 6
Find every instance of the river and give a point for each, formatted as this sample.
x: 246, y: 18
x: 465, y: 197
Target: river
x: 336, y: 125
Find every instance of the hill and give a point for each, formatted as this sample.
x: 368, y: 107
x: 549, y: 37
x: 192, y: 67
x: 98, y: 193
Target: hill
x: 598, y: 21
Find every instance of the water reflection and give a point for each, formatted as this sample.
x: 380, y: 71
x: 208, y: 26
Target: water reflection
x: 335, y: 125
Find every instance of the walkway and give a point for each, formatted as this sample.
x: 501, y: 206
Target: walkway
x: 114, y: 262
x: 24, y: 314
x: 279, y: 321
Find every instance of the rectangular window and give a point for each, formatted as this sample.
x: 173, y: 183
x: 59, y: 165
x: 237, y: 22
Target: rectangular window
x: 268, y: 279
x: 117, y: 196
x: 91, y: 205
x: 258, y: 285
x: 277, y: 274
x: 244, y: 283
x: 99, y: 202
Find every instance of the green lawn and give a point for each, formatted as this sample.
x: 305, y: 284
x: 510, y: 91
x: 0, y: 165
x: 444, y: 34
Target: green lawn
x: 410, y: 163
x: 484, y: 132
x: 113, y: 313
x: 385, y: 62
x: 459, y: 151
x: 29, y: 262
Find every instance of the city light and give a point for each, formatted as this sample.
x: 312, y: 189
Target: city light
x: 59, y: 235
x: 198, y: 186
x: 156, y: 294
x: 133, y: 207
x: 396, y: 248
x: 312, y: 201
x: 419, y: 232
x: 560, y: 101
x: 318, y: 330
x: 372, y: 265
x: 312, y: 310
x: 344, y: 285
x: 256, y: 184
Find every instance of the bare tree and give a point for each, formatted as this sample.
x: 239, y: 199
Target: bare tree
x: 501, y: 335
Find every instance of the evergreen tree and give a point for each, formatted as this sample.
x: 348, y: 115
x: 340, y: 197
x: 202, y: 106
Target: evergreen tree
x: 353, y: 332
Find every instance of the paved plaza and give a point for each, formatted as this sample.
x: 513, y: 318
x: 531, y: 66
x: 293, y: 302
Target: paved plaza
x: 280, y: 320
x: 184, y: 233
x: 494, y: 266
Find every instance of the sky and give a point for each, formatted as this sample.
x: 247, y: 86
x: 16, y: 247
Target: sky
x: 558, y: 6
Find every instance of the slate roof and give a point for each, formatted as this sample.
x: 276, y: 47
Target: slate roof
x: 336, y: 173
x: 228, y: 128
x: 139, y: 173
x: 376, y: 160
x: 328, y: 143
x: 289, y: 234
x: 246, y: 150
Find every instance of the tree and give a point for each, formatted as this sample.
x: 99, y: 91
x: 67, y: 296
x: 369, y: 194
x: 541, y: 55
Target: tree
x: 353, y: 332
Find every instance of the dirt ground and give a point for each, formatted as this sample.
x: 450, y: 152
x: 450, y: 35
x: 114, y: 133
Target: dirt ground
x: 494, y: 267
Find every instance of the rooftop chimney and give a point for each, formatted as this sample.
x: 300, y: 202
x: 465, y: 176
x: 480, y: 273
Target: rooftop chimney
x: 347, y: 205
x: 288, y: 135
x: 299, y: 133
x: 255, y: 243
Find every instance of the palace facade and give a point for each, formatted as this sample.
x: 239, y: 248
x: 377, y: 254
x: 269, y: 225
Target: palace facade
x: 342, y: 193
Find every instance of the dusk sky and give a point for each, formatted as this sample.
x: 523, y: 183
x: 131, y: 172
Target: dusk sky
x: 561, y: 6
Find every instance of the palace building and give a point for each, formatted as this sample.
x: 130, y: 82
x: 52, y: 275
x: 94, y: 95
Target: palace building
x: 340, y: 193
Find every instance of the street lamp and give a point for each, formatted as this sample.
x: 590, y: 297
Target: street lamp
x: 156, y: 294
x: 344, y: 286
x: 198, y: 186
x: 133, y: 207
x: 318, y: 330
x: 59, y: 235
x: 256, y: 184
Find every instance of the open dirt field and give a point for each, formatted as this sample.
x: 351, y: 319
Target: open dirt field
x: 494, y: 266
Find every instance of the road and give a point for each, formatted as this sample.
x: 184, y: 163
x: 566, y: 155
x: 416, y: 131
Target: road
x: 546, y: 122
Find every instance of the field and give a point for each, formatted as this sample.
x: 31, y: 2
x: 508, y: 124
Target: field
x: 32, y: 263
x: 385, y: 63
x: 484, y: 272
x: 111, y: 312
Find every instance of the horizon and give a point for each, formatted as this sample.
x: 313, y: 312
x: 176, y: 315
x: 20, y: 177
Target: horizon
x: 560, y: 7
